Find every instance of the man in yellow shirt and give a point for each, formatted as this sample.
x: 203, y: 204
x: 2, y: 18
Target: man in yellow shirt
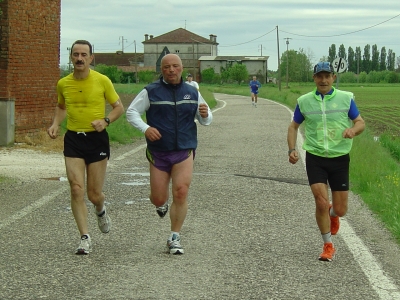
x: 82, y: 97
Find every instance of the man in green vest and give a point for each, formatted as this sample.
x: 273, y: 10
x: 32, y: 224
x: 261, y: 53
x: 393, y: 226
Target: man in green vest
x: 331, y: 120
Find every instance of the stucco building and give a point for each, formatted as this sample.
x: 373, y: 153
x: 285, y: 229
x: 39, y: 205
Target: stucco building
x: 255, y: 65
x: 188, y: 45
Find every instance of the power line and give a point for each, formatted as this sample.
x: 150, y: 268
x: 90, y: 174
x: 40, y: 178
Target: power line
x: 312, y: 36
x: 250, y: 40
x: 326, y: 36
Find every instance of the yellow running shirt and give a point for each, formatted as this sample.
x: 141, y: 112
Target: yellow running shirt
x: 85, y: 99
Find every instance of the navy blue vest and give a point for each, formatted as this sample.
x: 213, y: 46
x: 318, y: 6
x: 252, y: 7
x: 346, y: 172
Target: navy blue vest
x: 172, y: 111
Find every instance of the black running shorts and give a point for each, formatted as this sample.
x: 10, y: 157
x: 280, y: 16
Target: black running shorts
x: 91, y: 146
x: 334, y: 171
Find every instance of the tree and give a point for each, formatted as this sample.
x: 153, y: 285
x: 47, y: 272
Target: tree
x: 398, y: 64
x: 342, y: 52
x: 375, y: 58
x: 224, y: 74
x: 390, y: 60
x: 362, y: 78
x: 286, y: 69
x: 351, y: 61
x: 238, y: 72
x: 324, y: 58
x: 304, y: 64
x: 207, y: 75
x: 373, y: 77
x: 382, y: 60
x: 111, y: 72
x: 332, y: 53
x: 348, y: 77
x: 392, y: 77
x: 309, y: 64
x: 366, y: 62
x: 64, y: 69
x: 146, y: 76
x: 357, y: 57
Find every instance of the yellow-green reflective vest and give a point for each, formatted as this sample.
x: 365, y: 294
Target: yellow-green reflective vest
x: 325, y: 120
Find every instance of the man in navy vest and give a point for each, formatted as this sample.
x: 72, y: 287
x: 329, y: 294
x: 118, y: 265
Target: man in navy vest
x: 171, y: 107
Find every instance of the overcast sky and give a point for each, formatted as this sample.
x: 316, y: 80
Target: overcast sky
x: 242, y: 27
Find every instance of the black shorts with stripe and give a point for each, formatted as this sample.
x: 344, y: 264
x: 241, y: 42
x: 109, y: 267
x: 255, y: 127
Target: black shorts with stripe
x: 91, y: 146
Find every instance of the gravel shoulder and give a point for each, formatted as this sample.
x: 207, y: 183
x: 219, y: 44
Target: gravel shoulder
x: 31, y: 164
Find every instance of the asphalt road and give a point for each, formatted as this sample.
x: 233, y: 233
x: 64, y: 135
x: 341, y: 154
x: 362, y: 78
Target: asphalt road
x: 250, y: 232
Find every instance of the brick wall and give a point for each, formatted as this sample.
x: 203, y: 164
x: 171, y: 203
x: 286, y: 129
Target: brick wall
x: 29, y: 61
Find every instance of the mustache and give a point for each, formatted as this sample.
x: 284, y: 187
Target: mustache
x: 79, y: 62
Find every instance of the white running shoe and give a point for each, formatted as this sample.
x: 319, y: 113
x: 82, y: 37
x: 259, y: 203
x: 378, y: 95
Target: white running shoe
x: 162, y: 210
x: 174, y: 245
x: 85, y: 245
x: 104, y: 221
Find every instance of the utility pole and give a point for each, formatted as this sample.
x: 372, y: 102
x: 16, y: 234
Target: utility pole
x: 287, y: 62
x: 261, y: 49
x: 94, y: 57
x: 136, y: 80
x: 122, y: 41
x: 358, y: 66
x: 194, y: 70
x: 69, y: 59
x: 279, y: 60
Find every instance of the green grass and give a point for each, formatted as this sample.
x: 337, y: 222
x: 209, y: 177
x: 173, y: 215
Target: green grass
x: 5, y: 179
x: 375, y: 162
x: 121, y: 132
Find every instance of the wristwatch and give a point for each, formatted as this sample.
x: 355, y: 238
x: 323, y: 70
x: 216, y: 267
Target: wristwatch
x: 107, y: 120
x: 291, y: 150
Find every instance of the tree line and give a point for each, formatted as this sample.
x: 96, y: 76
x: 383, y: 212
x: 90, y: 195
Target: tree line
x: 296, y: 66
x: 370, y: 60
x: 372, y: 66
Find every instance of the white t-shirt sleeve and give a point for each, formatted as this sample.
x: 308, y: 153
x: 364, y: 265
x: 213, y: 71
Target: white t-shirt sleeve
x: 139, y: 105
x: 204, y: 121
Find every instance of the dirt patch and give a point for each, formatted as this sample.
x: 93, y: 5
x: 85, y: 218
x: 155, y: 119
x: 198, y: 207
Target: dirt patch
x: 126, y: 99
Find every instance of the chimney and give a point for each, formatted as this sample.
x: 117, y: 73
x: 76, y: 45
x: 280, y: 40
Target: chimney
x: 151, y: 36
x: 213, y: 38
x: 146, y: 37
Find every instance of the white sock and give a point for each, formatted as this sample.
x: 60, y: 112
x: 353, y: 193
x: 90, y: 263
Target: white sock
x: 101, y: 212
x: 172, y: 234
x: 327, y: 237
x: 83, y: 235
x: 332, y: 212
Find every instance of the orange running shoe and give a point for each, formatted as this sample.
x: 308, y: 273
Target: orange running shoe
x: 335, y: 223
x: 328, y: 253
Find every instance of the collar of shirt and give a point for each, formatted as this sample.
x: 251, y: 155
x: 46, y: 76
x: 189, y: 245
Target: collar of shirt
x: 328, y: 93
